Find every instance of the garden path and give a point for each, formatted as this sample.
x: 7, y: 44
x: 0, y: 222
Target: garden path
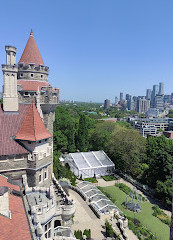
x: 85, y: 218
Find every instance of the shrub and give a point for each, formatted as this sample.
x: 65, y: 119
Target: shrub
x: 92, y: 180
x: 109, y: 178
x: 78, y: 234
x: 109, y: 229
x: 87, y: 233
x: 123, y: 188
x: 157, y: 212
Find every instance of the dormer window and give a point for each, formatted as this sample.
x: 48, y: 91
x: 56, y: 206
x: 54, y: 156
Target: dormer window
x: 32, y: 75
x: 21, y: 74
x: 41, y: 76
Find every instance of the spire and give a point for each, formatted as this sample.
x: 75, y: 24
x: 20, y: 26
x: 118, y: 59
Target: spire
x: 31, y: 52
x: 31, y: 33
x: 32, y: 127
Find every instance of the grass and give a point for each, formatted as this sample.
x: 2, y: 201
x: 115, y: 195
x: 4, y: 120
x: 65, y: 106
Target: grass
x: 157, y: 227
x: 109, y: 178
x: 92, y: 180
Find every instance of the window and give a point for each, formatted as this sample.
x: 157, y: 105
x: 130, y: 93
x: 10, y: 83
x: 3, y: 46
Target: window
x: 41, y: 76
x: 26, y: 94
x: 32, y: 75
x: 39, y: 141
x: 39, y: 210
x: 21, y: 74
x: 40, y: 177
x: 29, y: 142
x: 46, y: 174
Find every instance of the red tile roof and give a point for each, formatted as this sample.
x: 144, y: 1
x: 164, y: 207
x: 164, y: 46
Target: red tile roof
x: 17, y: 227
x: 33, y: 128
x: 32, y: 85
x: 31, y: 52
x: 9, y: 126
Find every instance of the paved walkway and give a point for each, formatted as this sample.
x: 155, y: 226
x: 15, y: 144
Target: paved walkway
x: 85, y: 218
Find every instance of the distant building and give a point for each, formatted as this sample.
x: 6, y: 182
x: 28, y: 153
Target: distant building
x: 143, y: 105
x: 148, y: 94
x: 167, y: 99
x: 147, y: 126
x: 171, y: 98
x: 107, y: 104
x: 161, y: 88
x: 154, y: 93
x: 168, y: 134
x: 116, y: 101
x: 108, y: 119
x: 128, y: 99
x: 158, y: 102
x: 121, y: 96
x: 152, y: 112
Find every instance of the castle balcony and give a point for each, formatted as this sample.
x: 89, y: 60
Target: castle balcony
x: 48, y: 107
x: 65, y: 233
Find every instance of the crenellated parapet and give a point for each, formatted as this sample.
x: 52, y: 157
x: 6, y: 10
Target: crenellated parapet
x: 33, y: 72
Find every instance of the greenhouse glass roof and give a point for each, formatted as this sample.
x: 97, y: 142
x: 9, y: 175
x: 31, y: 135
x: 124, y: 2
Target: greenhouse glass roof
x: 97, y: 198
x: 87, y: 160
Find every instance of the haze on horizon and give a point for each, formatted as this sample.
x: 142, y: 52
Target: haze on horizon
x: 95, y: 49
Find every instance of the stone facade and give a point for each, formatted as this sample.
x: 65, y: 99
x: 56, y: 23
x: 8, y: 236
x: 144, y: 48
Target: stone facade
x: 37, y: 164
x: 10, y: 98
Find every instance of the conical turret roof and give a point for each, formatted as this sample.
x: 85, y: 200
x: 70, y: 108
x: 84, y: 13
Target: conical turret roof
x: 31, y: 52
x: 32, y: 127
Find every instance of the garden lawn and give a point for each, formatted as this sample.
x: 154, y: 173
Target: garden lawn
x: 157, y: 227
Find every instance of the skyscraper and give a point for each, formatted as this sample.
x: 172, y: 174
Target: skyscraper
x: 159, y: 103
x: 161, y: 88
x: 128, y: 99
x: 107, y: 104
x: 121, y: 96
x: 143, y: 105
x: 148, y: 94
x: 154, y: 93
x: 116, y: 101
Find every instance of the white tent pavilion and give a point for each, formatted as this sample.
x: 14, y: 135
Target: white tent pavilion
x: 89, y: 164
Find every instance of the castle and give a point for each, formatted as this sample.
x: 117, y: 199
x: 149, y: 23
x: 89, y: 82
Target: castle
x: 26, y: 142
x: 26, y: 118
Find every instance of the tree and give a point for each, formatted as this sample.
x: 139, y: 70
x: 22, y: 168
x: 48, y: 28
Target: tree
x: 82, y: 134
x: 99, y: 137
x: 64, y: 131
x: 159, y: 158
x: 127, y: 150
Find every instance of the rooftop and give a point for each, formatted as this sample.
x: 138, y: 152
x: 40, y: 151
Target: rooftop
x: 32, y: 127
x: 31, y: 52
x: 84, y: 160
x: 15, y: 227
x: 9, y: 125
x: 32, y: 85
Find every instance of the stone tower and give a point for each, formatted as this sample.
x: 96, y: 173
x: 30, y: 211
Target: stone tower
x: 33, y: 82
x: 10, y: 70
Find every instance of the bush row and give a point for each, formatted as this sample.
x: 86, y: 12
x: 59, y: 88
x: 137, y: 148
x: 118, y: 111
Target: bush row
x: 78, y: 234
x: 157, y: 212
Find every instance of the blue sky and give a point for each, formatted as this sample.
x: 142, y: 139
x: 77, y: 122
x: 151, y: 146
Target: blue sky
x: 95, y: 48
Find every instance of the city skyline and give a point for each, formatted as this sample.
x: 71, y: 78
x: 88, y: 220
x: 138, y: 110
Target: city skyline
x: 96, y: 49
